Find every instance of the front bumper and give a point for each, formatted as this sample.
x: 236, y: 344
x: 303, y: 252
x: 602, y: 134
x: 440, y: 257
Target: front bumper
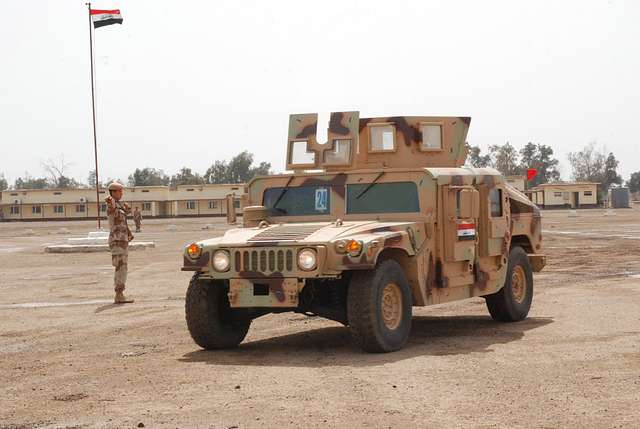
x: 272, y: 292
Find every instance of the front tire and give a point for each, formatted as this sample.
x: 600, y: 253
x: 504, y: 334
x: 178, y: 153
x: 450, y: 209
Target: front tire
x: 379, y: 308
x: 513, y: 301
x: 211, y: 322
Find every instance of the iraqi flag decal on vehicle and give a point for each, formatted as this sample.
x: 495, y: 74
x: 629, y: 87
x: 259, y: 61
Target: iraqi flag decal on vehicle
x: 466, y: 231
x: 100, y: 18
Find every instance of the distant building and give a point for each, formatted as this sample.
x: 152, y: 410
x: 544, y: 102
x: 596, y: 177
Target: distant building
x: 569, y: 195
x: 153, y: 201
x: 517, y: 182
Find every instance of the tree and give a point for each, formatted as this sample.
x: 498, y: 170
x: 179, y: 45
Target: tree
x: 588, y: 164
x: 3, y: 183
x: 91, y: 179
x: 539, y: 157
x: 610, y: 175
x: 57, y: 171
x: 505, y: 159
x: 148, y: 177
x: 239, y: 170
x: 634, y: 182
x: 29, y: 182
x: 476, y: 160
x: 186, y: 177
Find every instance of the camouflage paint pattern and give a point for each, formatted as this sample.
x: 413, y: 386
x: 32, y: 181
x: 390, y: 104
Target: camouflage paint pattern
x: 439, y: 266
x: 119, y: 237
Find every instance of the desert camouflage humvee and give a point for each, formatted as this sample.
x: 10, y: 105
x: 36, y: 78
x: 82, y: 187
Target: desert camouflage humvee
x: 381, y: 218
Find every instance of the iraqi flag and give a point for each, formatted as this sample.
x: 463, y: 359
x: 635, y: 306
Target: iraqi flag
x: 100, y: 18
x: 466, y: 231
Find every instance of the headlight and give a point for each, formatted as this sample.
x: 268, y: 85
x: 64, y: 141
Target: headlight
x: 221, y: 261
x: 194, y: 251
x: 307, y: 259
x: 353, y: 247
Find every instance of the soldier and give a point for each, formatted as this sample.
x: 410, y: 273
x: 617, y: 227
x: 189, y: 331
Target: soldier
x: 137, y: 218
x: 119, y: 238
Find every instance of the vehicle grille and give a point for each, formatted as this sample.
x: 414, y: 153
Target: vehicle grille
x: 287, y: 232
x: 264, y: 260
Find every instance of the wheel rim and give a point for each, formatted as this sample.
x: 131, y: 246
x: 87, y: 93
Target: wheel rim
x: 391, y: 306
x: 518, y: 284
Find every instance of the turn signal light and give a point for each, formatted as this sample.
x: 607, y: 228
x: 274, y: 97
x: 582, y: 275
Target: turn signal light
x: 194, y: 251
x: 353, y: 247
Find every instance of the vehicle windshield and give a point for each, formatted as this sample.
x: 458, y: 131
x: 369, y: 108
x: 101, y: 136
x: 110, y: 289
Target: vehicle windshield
x: 395, y: 197
x: 298, y: 201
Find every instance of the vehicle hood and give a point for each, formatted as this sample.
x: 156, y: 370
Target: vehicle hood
x: 304, y: 233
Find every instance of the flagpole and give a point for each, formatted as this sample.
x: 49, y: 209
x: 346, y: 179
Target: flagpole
x: 93, y: 110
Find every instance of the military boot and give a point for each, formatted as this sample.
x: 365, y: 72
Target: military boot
x: 121, y: 299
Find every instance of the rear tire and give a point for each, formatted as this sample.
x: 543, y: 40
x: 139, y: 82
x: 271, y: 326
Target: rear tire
x: 379, y: 308
x: 513, y: 301
x: 210, y: 320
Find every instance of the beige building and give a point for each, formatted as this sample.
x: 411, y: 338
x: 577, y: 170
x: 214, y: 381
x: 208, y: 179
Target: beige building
x: 517, y: 182
x: 153, y: 201
x: 572, y: 195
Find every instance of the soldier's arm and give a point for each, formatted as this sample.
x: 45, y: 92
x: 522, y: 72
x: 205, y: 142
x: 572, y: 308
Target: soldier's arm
x: 111, y: 205
x: 127, y: 209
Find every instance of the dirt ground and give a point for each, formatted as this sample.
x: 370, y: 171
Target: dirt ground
x: 69, y: 358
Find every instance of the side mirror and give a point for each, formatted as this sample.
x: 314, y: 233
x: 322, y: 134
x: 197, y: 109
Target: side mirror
x: 469, y: 204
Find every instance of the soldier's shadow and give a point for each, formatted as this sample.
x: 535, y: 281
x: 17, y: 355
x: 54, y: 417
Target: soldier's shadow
x: 331, y: 346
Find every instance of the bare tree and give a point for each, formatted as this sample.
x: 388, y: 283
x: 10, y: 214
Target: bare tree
x: 56, y: 170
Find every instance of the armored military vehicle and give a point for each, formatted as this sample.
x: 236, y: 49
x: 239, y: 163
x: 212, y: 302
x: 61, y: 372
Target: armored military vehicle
x: 381, y: 218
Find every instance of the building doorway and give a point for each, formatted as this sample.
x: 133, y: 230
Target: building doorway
x: 575, y: 200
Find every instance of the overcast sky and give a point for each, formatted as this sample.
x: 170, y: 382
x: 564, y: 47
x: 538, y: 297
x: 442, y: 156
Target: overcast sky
x: 186, y: 83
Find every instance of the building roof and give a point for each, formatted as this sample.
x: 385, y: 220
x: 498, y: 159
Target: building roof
x: 542, y: 185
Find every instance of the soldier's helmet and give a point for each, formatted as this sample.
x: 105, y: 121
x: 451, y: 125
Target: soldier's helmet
x: 115, y: 186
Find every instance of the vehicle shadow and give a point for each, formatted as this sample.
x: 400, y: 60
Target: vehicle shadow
x: 331, y: 346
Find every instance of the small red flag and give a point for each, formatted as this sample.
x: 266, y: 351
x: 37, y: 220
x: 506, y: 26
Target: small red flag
x: 531, y: 173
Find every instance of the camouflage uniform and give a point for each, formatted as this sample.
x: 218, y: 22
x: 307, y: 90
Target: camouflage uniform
x: 119, y: 238
x: 137, y: 218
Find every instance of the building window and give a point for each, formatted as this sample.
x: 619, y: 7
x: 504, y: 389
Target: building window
x: 236, y: 204
x: 495, y: 200
x: 191, y: 205
x: 145, y: 190
x: 80, y: 208
x: 103, y: 207
x: 431, y: 136
x: 213, y: 204
x: 57, y: 193
x: 190, y: 190
x: 557, y: 194
x: 14, y: 194
x: 14, y: 210
x: 382, y: 138
x: 58, y: 208
x: 588, y: 193
x: 36, y: 209
x: 146, y: 207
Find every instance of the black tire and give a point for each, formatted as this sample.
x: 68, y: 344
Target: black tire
x: 504, y: 305
x: 211, y: 322
x: 365, y: 308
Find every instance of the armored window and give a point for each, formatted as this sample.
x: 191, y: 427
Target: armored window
x: 36, y: 209
x: 298, y: 201
x: 339, y: 154
x: 14, y: 210
x: 431, y: 136
x: 191, y: 205
x: 146, y: 207
x: 80, y: 208
x: 382, y: 138
x: 397, y: 197
x: 495, y: 201
x: 59, y: 208
x: 300, y: 155
x: 588, y: 193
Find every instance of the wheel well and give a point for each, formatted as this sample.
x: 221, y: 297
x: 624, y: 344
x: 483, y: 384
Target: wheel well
x: 409, y: 267
x: 522, y: 241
